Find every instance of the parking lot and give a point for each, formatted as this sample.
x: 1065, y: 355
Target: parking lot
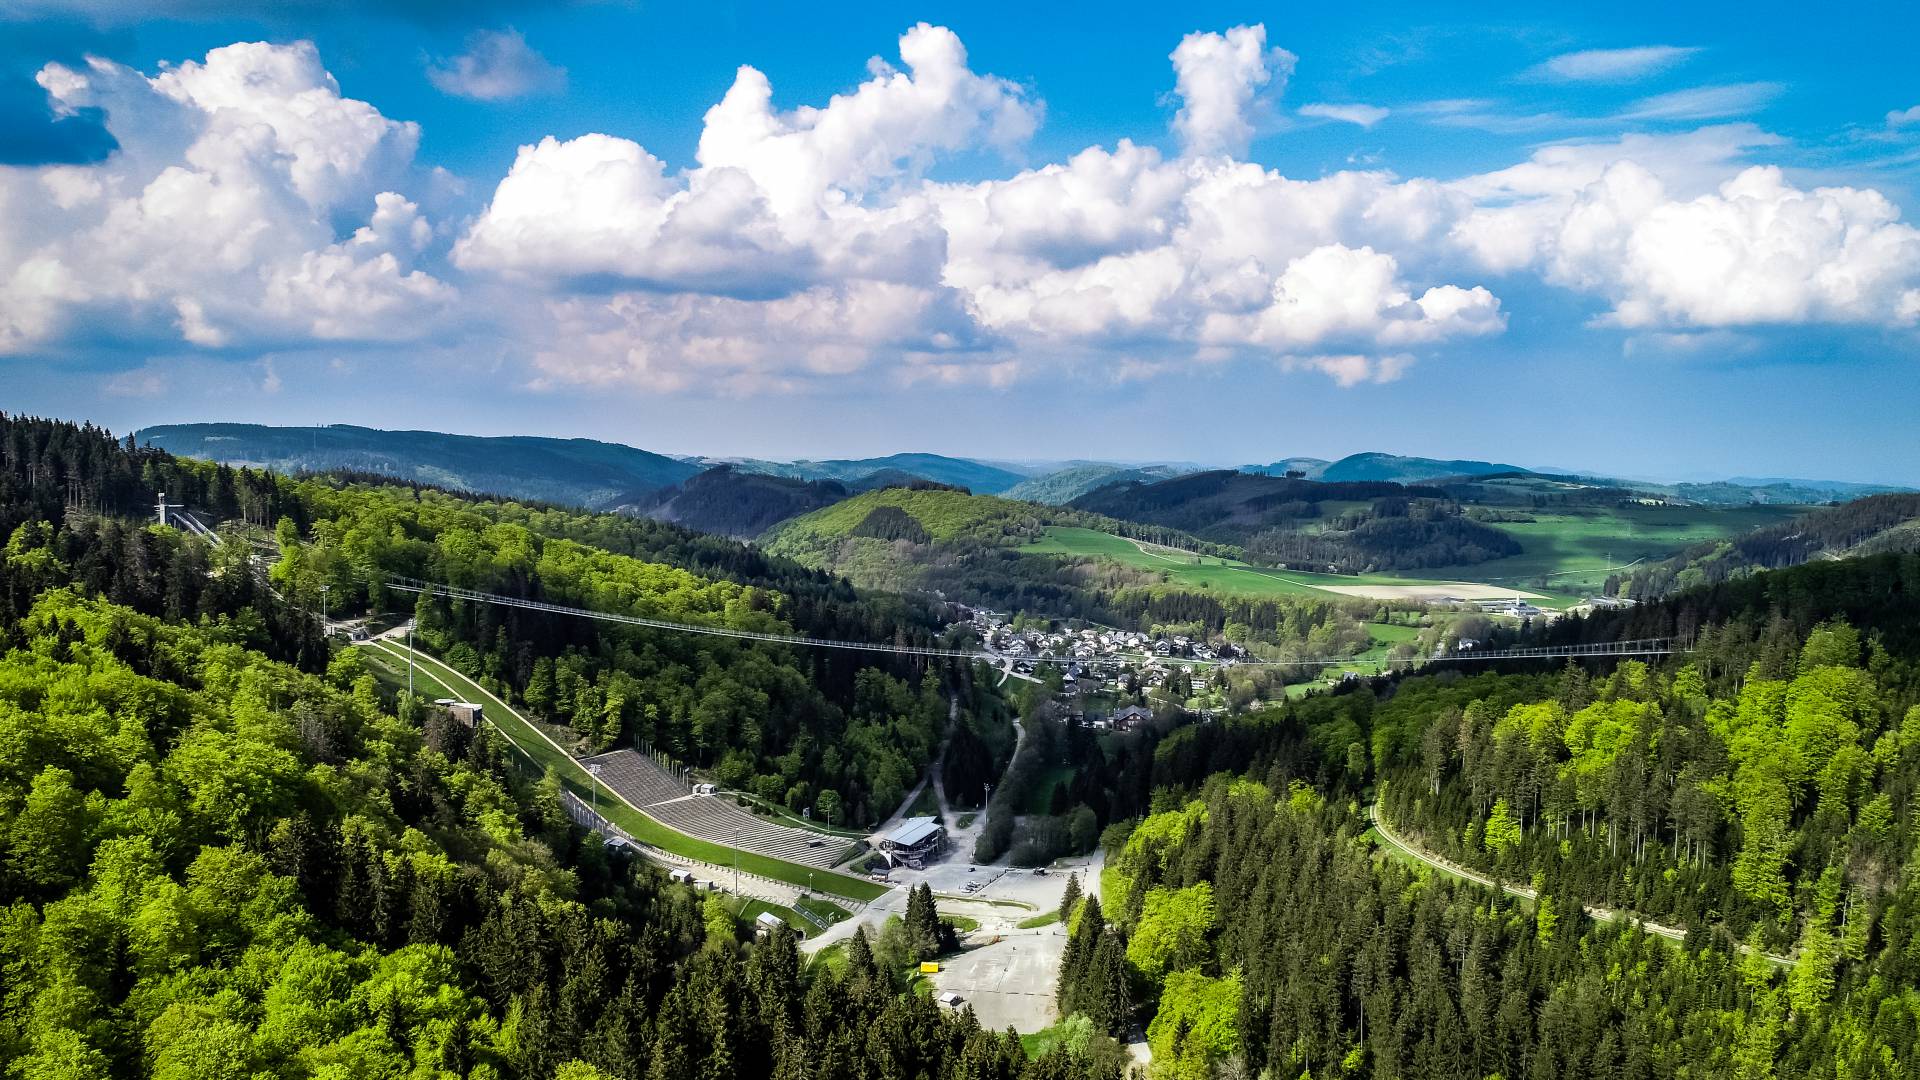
x: 1009, y: 983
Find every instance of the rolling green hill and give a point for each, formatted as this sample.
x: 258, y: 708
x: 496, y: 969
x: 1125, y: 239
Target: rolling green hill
x: 1350, y: 527
x: 1877, y: 524
x: 577, y: 472
x: 943, y: 513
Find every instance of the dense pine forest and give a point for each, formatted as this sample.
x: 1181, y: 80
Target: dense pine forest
x: 1756, y: 794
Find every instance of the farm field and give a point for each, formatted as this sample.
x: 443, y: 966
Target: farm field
x: 1233, y: 576
x: 1575, y: 544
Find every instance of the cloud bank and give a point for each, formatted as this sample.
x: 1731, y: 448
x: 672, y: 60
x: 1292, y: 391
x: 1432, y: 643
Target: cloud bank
x: 250, y: 206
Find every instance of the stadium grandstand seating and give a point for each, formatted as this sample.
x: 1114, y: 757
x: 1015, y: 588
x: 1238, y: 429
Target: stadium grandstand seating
x: 667, y: 799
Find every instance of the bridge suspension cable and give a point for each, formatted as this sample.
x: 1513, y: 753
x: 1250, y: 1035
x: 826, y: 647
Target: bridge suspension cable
x: 1639, y: 647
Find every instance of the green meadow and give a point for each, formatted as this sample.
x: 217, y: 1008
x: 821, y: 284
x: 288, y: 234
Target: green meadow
x: 1189, y: 571
x: 1569, y: 550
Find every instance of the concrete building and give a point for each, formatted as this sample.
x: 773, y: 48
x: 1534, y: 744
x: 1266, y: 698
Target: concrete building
x: 914, y: 843
x: 466, y: 712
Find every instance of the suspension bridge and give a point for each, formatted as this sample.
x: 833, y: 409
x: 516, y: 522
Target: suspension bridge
x: 176, y: 514
x: 1636, y: 647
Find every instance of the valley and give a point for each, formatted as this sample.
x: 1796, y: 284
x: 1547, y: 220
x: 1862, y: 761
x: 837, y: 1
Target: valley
x: 678, y: 729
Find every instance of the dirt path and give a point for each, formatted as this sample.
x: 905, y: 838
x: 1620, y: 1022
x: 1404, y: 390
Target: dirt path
x: 1596, y: 911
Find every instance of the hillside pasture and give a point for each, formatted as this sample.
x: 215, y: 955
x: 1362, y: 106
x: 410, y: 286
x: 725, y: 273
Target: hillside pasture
x: 1569, y: 551
x: 1186, y: 570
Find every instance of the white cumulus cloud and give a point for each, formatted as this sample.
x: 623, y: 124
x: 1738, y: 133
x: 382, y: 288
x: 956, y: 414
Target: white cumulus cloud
x: 1753, y: 250
x: 216, y: 223
x: 254, y: 208
x: 1222, y: 80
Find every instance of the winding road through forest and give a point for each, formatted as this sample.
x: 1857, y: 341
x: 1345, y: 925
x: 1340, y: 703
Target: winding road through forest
x: 1596, y: 911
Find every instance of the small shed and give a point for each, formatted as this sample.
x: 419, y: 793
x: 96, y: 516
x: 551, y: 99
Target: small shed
x: 766, y: 923
x: 468, y: 713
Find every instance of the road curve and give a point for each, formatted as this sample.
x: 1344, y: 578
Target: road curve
x: 1595, y: 911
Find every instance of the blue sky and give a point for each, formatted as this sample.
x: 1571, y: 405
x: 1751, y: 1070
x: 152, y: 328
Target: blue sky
x: 1658, y: 242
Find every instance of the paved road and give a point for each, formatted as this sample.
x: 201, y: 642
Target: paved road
x: 1596, y: 911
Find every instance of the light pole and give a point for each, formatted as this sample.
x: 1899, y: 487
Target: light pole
x: 593, y: 788
x: 736, y: 862
x: 409, y: 657
x: 323, y: 608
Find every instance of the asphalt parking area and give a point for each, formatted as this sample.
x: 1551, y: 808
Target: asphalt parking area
x: 1009, y: 983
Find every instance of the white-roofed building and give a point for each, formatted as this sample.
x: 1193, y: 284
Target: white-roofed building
x: 914, y: 842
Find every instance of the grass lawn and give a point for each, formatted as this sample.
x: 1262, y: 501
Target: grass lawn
x: 832, y: 958
x: 548, y: 757
x: 967, y: 819
x: 1038, y: 921
x: 1040, y: 796
x: 823, y: 910
x: 960, y: 922
x: 1039, y: 1042
x: 746, y: 909
x: 391, y: 672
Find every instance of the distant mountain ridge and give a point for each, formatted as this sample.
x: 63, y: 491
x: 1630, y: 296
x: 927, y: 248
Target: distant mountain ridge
x: 1392, y: 468
x: 975, y: 476
x: 579, y: 472
x: 722, y: 495
x: 1065, y: 485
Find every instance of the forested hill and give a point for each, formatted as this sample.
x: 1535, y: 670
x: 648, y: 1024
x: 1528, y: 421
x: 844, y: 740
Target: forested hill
x: 1068, y: 484
x: 575, y: 472
x: 729, y: 501
x: 832, y: 733
x: 1347, y: 527
x: 1866, y: 526
x: 215, y: 864
x: 1758, y: 792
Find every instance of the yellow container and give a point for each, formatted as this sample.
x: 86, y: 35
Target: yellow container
x: 929, y: 967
